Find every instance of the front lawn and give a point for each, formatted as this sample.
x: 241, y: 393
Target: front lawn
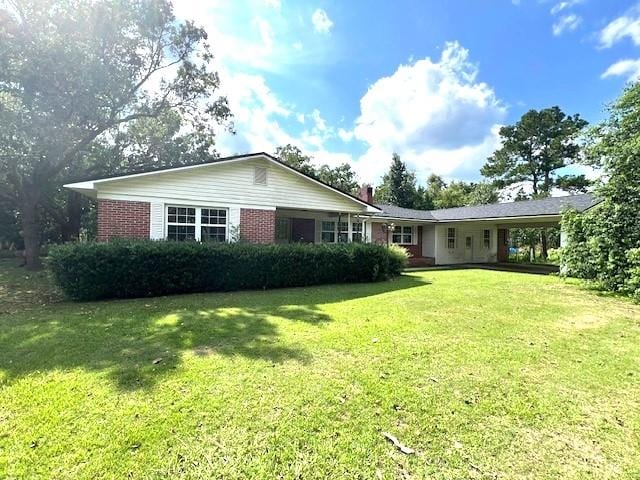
x: 484, y: 374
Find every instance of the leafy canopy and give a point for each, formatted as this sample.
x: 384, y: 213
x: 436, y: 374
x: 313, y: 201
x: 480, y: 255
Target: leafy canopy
x: 533, y: 149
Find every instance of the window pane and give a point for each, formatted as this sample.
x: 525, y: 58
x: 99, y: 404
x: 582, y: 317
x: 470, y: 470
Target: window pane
x: 213, y: 234
x: 407, y: 230
x: 357, y: 237
x: 181, y: 232
x: 343, y: 237
x: 406, y: 238
x: 328, y: 237
x: 343, y: 226
x: 211, y: 216
x: 397, y: 229
x: 396, y: 238
x: 328, y: 226
x: 356, y: 227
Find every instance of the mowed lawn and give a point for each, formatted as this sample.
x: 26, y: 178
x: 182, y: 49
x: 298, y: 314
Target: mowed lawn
x: 487, y: 375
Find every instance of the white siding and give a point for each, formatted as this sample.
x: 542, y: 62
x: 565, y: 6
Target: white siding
x: 429, y: 240
x: 156, y: 222
x: 230, y: 184
x: 446, y: 256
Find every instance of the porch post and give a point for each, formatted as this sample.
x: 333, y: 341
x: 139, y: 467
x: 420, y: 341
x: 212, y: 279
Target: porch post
x: 349, y: 229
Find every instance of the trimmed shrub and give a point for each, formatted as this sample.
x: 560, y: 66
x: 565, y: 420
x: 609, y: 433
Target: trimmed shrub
x: 145, y: 268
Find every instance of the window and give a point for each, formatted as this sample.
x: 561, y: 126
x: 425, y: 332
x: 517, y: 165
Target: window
x: 283, y: 229
x: 469, y: 242
x: 451, y: 238
x: 486, y: 239
x: 356, y: 235
x: 328, y: 232
x: 181, y: 223
x: 343, y: 232
x: 195, y: 223
x: 402, y: 234
x: 213, y: 225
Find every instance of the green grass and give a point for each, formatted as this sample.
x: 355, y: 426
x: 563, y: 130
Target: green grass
x: 485, y: 374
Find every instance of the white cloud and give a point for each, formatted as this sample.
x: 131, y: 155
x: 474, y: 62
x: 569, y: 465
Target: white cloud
x: 321, y: 21
x: 297, y: 45
x: 566, y: 23
x: 435, y: 114
x: 628, y: 68
x: 627, y: 25
x: 319, y: 122
x: 273, y: 3
x: 345, y: 136
x: 560, y: 6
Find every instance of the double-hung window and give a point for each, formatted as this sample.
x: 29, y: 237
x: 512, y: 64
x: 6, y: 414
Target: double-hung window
x: 402, y: 235
x: 328, y: 232
x: 356, y: 232
x: 213, y: 225
x: 196, y: 223
x: 451, y: 238
x: 486, y: 238
x: 343, y: 232
x: 181, y: 223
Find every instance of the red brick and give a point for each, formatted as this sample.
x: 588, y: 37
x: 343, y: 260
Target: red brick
x: 122, y: 219
x: 258, y: 226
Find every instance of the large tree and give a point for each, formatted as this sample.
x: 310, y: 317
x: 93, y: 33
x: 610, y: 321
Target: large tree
x: 534, y: 149
x: 439, y: 194
x: 73, y: 72
x: 398, y: 185
x: 604, y: 243
x: 342, y: 177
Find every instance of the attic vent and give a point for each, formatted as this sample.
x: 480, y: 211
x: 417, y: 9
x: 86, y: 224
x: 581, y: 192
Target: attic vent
x: 260, y: 176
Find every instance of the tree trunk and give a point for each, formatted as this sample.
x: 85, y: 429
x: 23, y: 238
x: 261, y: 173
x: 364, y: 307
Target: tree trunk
x: 543, y: 242
x: 71, y: 229
x: 30, y: 217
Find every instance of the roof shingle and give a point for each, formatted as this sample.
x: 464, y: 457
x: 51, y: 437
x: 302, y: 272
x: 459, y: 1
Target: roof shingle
x: 525, y: 208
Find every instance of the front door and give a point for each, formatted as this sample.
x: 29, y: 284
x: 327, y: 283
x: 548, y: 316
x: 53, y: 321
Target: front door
x: 303, y: 230
x: 468, y: 248
x: 503, y: 245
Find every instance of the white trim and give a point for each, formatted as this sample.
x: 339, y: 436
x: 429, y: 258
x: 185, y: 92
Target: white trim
x: 91, y: 185
x: 182, y: 202
x: 198, y: 220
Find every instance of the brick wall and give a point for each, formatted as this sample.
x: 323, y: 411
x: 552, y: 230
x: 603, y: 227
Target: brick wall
x: 258, y: 226
x: 119, y: 218
x: 378, y: 235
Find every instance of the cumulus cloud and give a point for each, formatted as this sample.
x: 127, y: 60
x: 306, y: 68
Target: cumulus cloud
x: 566, y: 23
x: 434, y: 113
x: 624, y: 68
x: 321, y: 21
x: 627, y: 25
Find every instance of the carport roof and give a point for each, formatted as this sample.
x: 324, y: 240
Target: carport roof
x: 551, y: 206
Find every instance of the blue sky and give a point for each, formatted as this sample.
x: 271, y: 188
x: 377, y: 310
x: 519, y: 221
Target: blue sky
x: 354, y: 81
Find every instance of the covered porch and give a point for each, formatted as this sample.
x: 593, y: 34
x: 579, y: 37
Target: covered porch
x: 312, y: 226
x: 504, y: 237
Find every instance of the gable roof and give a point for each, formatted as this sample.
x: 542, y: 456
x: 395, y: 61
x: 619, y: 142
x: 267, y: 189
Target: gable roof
x: 552, y: 206
x: 89, y: 186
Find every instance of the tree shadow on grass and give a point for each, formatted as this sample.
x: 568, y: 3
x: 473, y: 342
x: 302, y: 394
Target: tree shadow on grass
x: 138, y: 342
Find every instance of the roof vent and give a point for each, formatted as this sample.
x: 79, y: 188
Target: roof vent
x: 259, y: 176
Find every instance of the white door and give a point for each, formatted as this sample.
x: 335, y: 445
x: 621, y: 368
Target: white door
x: 468, y: 248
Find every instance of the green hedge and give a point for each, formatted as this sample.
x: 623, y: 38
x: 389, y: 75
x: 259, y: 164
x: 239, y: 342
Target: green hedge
x: 126, y: 269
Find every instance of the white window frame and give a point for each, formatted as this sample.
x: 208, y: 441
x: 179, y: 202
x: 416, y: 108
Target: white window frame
x: 355, y: 232
x: 454, y: 237
x: 486, y: 239
x: 334, y: 230
x: 402, y: 234
x: 198, y: 224
x: 338, y: 230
